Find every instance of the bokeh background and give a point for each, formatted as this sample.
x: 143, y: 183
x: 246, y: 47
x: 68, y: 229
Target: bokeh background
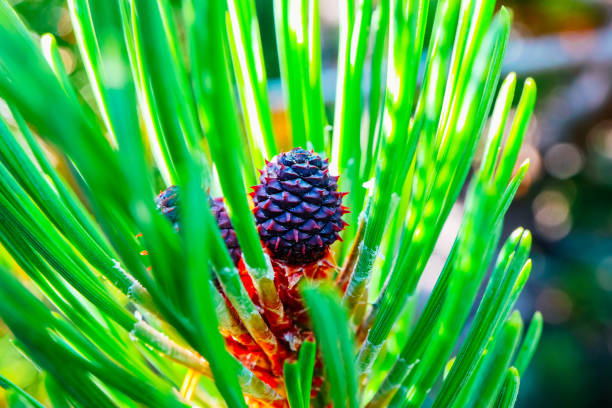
x: 566, y: 199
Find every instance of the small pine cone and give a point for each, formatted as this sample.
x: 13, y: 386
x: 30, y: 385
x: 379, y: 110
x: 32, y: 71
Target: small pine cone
x: 167, y: 204
x: 297, y: 207
x: 227, y: 230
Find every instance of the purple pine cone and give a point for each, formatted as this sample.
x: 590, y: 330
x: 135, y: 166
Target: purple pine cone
x: 167, y: 204
x: 227, y: 230
x: 297, y: 207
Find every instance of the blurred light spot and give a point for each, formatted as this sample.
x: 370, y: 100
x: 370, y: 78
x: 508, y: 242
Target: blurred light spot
x: 114, y: 69
x: 64, y: 25
x: 530, y: 152
x: 563, y: 160
x: 551, y: 211
x: 555, y: 305
x: 52, y: 156
x: 600, y: 140
x: 603, y: 274
x: 599, y: 153
x: 67, y: 59
x: 534, y: 130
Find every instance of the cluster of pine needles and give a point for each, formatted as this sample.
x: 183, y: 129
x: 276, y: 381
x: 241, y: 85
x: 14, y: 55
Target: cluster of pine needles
x: 180, y: 97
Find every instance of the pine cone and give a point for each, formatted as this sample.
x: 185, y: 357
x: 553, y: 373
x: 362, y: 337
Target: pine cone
x: 297, y: 207
x: 167, y: 204
x: 227, y: 230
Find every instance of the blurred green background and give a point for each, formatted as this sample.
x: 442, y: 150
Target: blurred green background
x: 566, y: 199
